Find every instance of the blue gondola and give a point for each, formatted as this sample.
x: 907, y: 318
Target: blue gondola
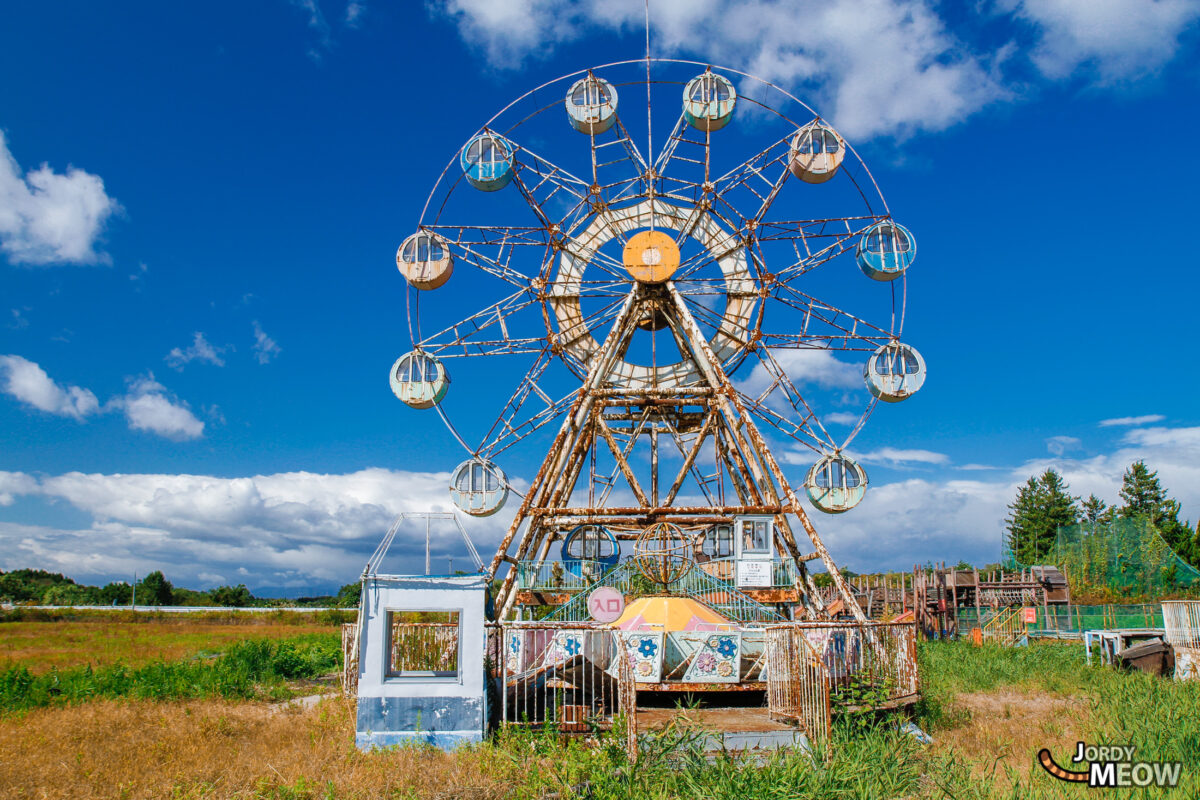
x: 885, y: 251
x: 487, y: 162
x: 586, y: 545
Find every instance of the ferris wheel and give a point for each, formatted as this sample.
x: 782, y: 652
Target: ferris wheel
x: 614, y: 190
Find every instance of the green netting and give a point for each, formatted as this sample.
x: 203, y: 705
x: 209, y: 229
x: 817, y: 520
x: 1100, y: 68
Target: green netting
x: 1078, y: 618
x: 1127, y: 556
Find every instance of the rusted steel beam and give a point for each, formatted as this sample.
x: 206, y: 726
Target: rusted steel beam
x: 646, y: 511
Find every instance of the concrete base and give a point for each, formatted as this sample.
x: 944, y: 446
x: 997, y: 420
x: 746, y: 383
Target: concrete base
x: 446, y: 740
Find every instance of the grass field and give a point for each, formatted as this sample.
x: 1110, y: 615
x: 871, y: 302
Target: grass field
x: 988, y: 709
x: 41, y: 646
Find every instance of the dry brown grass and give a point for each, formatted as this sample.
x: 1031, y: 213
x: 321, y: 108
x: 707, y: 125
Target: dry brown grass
x: 41, y: 645
x: 218, y: 749
x: 1004, y: 728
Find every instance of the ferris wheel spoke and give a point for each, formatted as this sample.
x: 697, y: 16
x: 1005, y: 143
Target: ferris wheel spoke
x: 526, y: 388
x: 824, y: 326
x: 814, y: 242
x: 782, y: 382
x: 486, y: 332
x: 612, y: 151
x: 761, y: 176
x: 471, y: 244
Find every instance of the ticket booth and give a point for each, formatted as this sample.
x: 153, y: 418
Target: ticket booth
x: 754, y: 542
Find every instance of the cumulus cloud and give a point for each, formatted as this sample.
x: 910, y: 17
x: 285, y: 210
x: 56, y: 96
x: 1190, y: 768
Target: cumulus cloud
x: 47, y: 217
x: 842, y: 418
x: 879, y: 66
x: 812, y: 367
x: 1117, y: 39
x: 296, y: 529
x: 1059, y: 445
x: 149, y: 407
x: 875, y: 67
x: 1145, y: 419
x: 29, y: 383
x: 265, y: 347
x: 200, y: 350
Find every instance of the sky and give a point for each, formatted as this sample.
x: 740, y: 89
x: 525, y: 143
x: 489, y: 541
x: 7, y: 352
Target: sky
x: 200, y: 207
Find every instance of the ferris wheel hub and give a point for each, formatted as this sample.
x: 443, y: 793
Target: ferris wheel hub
x: 651, y: 257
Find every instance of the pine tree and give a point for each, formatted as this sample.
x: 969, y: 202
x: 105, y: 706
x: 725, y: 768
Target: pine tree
x: 1145, y: 498
x: 1095, y: 511
x: 1041, y: 507
x: 1143, y: 495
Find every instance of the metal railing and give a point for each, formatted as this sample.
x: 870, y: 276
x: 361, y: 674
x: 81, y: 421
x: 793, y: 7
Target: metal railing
x: 558, y: 576
x: 1006, y: 628
x: 783, y: 571
x: 697, y: 584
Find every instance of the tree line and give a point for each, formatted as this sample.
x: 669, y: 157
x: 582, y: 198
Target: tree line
x: 1045, y: 503
x: 40, y: 587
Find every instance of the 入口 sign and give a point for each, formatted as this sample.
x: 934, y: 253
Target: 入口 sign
x: 605, y: 604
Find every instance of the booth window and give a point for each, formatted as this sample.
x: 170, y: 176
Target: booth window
x: 423, y: 644
x: 756, y: 536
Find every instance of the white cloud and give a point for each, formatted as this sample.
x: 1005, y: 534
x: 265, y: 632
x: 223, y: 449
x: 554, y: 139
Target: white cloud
x: 813, y: 367
x: 29, y: 383
x: 14, y: 484
x: 1145, y: 419
x: 1058, y: 445
x: 1118, y: 39
x: 354, y: 13
x: 287, y: 529
x: 200, y: 350
x: 148, y: 407
x: 892, y: 455
x: 880, y: 66
x: 265, y: 347
x: 842, y: 418
x: 48, y: 217
x: 976, y: 467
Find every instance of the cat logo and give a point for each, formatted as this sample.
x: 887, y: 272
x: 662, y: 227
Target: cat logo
x: 1111, y: 766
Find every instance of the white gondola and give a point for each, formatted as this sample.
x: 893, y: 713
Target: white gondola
x: 894, y: 372
x: 479, y: 487
x: 708, y: 101
x: 592, y: 105
x: 419, y: 379
x: 817, y: 152
x: 424, y: 260
x: 836, y: 484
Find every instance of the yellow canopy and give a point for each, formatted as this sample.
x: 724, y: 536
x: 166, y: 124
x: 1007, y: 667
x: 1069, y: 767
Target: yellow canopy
x: 670, y: 614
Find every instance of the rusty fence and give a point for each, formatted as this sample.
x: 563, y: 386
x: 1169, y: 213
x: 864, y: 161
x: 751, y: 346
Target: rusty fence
x: 349, y: 658
x: 576, y: 678
x: 797, y: 682
x: 841, y: 666
x: 1181, y: 619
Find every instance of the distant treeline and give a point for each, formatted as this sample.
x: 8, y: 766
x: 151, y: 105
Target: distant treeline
x: 53, y: 589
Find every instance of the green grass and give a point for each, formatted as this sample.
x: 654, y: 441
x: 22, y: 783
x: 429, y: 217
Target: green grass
x: 1159, y: 716
x: 244, y: 670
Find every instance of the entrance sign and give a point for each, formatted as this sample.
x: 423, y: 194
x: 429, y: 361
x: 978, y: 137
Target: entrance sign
x: 606, y: 604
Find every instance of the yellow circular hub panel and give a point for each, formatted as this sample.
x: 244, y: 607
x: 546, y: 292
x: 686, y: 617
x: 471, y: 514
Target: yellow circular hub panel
x: 651, y: 256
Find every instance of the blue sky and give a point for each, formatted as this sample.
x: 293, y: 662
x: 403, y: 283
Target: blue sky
x: 199, y: 210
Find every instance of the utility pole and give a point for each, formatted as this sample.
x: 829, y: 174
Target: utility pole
x: 427, y: 570
x: 133, y: 597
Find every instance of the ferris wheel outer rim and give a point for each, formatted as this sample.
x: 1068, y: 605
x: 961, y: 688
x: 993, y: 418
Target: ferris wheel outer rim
x: 896, y: 330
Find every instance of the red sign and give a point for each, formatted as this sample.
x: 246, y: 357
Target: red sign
x: 606, y: 604
x: 1031, y: 616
